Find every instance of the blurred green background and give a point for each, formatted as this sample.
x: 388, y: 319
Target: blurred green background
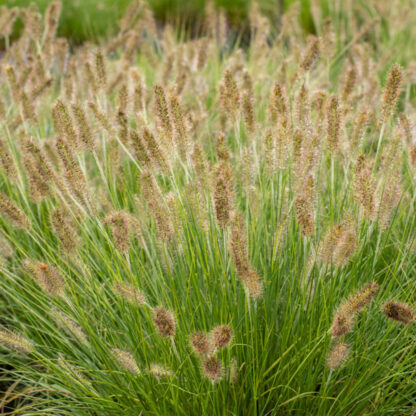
x: 93, y: 19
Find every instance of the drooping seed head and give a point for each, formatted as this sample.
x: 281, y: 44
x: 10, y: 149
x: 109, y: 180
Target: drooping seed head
x: 399, y: 312
x: 359, y: 300
x: 47, y: 277
x: 14, y: 214
x: 16, y: 342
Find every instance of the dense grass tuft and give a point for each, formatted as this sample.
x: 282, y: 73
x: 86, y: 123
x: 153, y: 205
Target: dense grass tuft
x: 189, y: 227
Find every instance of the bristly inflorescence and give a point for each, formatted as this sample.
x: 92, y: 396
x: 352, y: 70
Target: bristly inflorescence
x: 245, y: 185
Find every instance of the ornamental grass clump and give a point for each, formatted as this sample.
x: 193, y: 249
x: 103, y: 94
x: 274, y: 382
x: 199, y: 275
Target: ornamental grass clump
x: 209, y: 222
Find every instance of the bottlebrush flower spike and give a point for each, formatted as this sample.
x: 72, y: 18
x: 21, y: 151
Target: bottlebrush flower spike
x: 337, y: 356
x: 311, y: 54
x: 221, y: 336
x: 344, y: 318
x: 126, y: 360
x: 159, y: 371
x: 223, y: 195
x: 200, y: 343
x: 399, y: 312
x: 14, y: 341
x: 11, y: 212
x: 212, y: 368
x: 164, y: 322
x: 392, y: 91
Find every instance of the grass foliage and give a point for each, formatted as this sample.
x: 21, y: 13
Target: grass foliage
x: 188, y: 227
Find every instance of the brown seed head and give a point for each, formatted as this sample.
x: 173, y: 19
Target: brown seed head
x: 221, y: 336
x: 212, y: 368
x: 399, y: 312
x: 11, y: 212
x: 200, y: 343
x: 342, y: 324
x: 164, y: 322
x: 311, y: 53
x: 333, y: 124
x: 392, y: 91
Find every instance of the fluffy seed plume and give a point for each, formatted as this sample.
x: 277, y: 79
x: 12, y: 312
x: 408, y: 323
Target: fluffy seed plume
x: 304, y: 205
x: 65, y: 230
x: 163, y: 111
x: 364, y: 186
x: 333, y: 117
x: 360, y: 124
x: 248, y: 112
x: 164, y: 322
x: 100, y: 69
x: 249, y: 277
x: 344, y: 318
x: 229, y: 94
x: 155, y: 152
x: 343, y: 323
x: 223, y: 195
x: 126, y: 360
x: 279, y: 104
x: 221, y: 336
x: 200, y: 343
x: 12, y: 213
x: 84, y: 129
x: 212, y: 368
x: 159, y: 371
x: 399, y: 312
x: 311, y: 54
x: 14, y: 341
x: 392, y: 91
x: 38, y: 187
x: 238, y: 245
x: 179, y: 125
x: 359, y: 300
x: 48, y: 277
x: 119, y: 224
x: 337, y: 356
x: 6, y: 249
x: 7, y: 162
x: 64, y: 124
